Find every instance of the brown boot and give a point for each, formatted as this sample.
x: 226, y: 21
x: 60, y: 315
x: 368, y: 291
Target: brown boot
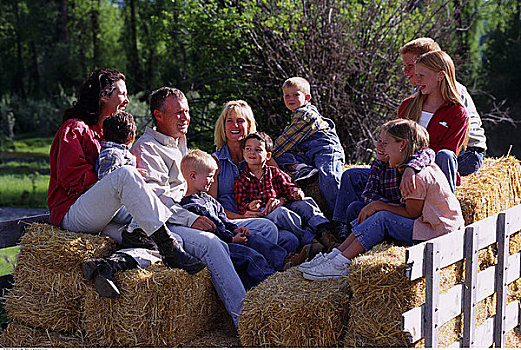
x: 316, y: 247
x: 328, y: 240
x: 297, y: 259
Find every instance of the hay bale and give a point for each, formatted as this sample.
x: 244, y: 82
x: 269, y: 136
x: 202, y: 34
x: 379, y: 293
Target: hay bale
x: 496, y: 186
x: 48, y: 247
x: 21, y: 336
x: 52, y: 301
x: 287, y: 310
x: 158, y: 307
x: 49, y: 288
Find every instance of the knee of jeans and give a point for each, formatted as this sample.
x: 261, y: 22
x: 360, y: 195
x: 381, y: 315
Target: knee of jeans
x: 445, y: 155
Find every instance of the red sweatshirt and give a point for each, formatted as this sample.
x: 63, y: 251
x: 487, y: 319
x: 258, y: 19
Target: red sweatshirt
x: 74, y: 151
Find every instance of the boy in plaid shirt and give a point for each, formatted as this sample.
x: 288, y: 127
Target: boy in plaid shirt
x: 269, y: 190
x: 309, y: 145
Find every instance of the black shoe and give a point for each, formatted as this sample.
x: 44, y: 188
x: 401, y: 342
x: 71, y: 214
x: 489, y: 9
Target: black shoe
x: 137, y: 239
x: 102, y: 270
x: 173, y: 255
x: 305, y: 175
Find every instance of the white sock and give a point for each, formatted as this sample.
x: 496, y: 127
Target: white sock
x: 340, y: 260
x: 334, y: 252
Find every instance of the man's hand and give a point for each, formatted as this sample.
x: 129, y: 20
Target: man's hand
x: 254, y: 205
x: 408, y: 183
x: 252, y: 214
x: 204, y: 224
x: 368, y: 210
x: 273, y: 203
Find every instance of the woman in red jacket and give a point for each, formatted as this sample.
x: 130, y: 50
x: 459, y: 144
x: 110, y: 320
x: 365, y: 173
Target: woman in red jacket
x: 78, y: 202
x: 437, y: 107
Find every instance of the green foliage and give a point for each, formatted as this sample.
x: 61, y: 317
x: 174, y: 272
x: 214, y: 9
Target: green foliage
x: 24, y: 190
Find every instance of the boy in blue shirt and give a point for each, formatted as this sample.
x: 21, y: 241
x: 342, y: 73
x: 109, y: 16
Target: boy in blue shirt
x: 309, y: 145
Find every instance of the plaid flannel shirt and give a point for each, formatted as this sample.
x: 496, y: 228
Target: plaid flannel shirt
x: 112, y: 156
x: 384, y: 182
x: 274, y: 184
x: 305, y: 121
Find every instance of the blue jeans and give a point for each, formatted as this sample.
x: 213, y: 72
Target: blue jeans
x: 271, y: 232
x: 470, y: 160
x: 323, y: 151
x: 448, y: 163
x: 352, y: 186
x: 216, y: 255
x: 382, y: 225
x: 353, y: 210
x: 252, y: 268
x: 300, y: 217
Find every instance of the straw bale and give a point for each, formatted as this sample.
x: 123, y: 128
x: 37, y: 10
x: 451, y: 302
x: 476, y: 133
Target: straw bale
x: 49, y: 300
x: 496, y: 186
x: 48, y: 247
x: 158, y: 307
x: 224, y: 337
x: 19, y: 335
x: 287, y: 310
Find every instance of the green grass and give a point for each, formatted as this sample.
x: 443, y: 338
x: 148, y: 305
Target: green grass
x: 7, y: 259
x: 24, y: 191
x: 31, y: 145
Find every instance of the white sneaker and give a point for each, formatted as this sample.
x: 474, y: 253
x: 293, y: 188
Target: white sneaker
x: 318, y: 259
x: 326, y: 270
x: 305, y: 174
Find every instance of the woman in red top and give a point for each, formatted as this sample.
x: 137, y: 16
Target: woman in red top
x: 77, y: 201
x: 437, y: 107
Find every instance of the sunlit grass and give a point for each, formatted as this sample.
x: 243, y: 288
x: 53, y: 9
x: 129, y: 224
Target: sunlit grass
x: 34, y: 145
x: 24, y: 190
x: 7, y: 259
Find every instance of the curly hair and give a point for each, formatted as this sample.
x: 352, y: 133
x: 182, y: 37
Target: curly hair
x: 119, y: 127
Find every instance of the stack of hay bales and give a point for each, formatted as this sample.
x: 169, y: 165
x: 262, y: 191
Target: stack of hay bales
x: 51, y: 303
x: 288, y: 311
x: 378, y: 292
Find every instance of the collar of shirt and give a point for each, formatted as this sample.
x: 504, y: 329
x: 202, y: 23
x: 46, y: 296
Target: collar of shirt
x: 166, y: 140
x: 224, y: 154
x: 111, y: 144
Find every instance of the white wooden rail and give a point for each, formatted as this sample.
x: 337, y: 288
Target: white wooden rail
x: 428, y: 258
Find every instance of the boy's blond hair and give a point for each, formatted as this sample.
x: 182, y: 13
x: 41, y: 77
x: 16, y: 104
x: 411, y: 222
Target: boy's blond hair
x: 242, y: 109
x: 420, y: 46
x: 300, y: 83
x: 198, y: 161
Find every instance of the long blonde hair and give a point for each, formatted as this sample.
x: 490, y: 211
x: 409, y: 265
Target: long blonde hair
x: 415, y: 135
x: 436, y: 61
x: 242, y: 109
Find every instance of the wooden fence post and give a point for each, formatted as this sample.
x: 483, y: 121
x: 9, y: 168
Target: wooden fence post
x: 501, y: 280
x: 470, y: 291
x: 432, y: 294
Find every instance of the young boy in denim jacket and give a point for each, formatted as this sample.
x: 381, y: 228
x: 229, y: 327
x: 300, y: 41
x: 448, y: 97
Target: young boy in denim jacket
x: 269, y: 190
x: 253, y: 256
x: 309, y: 144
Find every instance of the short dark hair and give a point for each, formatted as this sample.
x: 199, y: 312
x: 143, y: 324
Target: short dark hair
x: 119, y: 127
x: 261, y: 136
x: 157, y: 98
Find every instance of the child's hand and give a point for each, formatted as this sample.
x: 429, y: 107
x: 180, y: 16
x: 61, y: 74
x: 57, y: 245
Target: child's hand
x: 255, y: 205
x: 243, y: 231
x: 298, y: 194
x: 143, y: 172
x: 240, y: 238
x: 272, y: 204
x: 408, y: 183
x: 367, y: 211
